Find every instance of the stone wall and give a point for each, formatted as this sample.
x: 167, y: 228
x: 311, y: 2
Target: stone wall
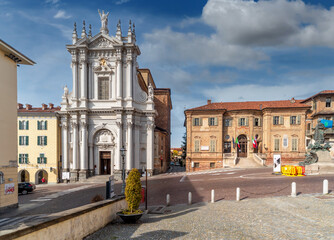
x: 71, y: 224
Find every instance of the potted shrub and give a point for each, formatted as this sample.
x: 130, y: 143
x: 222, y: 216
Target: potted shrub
x: 132, y: 197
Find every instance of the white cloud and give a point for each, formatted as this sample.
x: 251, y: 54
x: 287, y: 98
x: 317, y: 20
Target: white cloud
x: 52, y: 1
x: 270, y: 23
x: 121, y: 2
x: 172, y: 47
x: 61, y: 14
x: 255, y: 92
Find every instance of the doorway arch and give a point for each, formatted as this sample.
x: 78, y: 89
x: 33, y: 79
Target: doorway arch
x: 242, y: 151
x: 104, y: 143
x: 40, y: 175
x: 24, y: 176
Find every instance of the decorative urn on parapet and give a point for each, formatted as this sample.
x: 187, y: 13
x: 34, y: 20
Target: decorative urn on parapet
x: 132, y: 197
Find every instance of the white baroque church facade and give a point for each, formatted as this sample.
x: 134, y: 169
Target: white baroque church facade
x: 107, y: 108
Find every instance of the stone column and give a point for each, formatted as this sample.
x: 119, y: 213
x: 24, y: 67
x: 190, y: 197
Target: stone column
x: 74, y: 170
x: 75, y: 81
x: 129, y: 149
x: 83, y: 151
x: 119, y: 73
x: 137, y: 145
x: 118, y: 157
x: 91, y: 159
x: 64, y: 145
x: 150, y: 147
x: 129, y: 79
x: 83, y: 82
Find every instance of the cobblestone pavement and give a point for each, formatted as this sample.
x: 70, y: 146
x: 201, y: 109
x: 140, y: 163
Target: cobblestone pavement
x: 303, y: 217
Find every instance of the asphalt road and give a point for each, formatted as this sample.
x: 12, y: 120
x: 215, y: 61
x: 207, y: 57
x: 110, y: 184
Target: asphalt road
x: 254, y: 183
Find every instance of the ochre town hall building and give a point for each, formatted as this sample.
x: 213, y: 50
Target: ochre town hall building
x: 281, y: 127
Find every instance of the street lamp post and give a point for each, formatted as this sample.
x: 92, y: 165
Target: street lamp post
x: 123, y: 150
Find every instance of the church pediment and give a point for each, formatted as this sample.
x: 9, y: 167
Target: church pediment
x: 103, y: 41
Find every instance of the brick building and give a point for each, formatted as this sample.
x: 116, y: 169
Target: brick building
x: 278, y: 127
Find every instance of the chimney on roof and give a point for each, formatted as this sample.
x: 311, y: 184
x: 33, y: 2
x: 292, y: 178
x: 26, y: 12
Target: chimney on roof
x: 292, y: 100
x: 209, y: 101
x: 19, y: 106
x: 51, y: 105
x: 28, y: 107
x: 44, y: 106
x: 260, y: 106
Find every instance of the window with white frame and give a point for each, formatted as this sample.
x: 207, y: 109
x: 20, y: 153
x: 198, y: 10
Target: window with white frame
x: 23, y: 125
x: 103, y: 89
x: 23, y: 140
x: 23, y: 158
x: 328, y: 102
x: 213, y: 121
x: 42, y: 125
x: 228, y: 122
x: 42, y: 140
x: 41, y: 159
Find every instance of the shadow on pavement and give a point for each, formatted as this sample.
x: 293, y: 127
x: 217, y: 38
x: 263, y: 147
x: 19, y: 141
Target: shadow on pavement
x: 158, y: 235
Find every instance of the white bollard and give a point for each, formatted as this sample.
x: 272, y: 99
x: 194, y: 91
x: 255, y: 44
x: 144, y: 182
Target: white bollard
x: 238, y: 194
x: 325, y: 187
x: 189, y: 198
x: 212, y: 196
x: 167, y: 200
x: 293, y: 190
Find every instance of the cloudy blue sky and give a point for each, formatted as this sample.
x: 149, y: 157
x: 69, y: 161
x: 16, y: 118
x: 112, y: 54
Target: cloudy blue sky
x: 224, y: 50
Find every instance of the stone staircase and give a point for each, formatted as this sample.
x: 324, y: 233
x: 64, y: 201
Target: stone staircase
x: 97, y: 179
x: 247, y: 163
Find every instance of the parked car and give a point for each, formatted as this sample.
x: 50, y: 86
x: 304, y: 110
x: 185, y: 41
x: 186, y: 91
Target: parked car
x: 26, y: 187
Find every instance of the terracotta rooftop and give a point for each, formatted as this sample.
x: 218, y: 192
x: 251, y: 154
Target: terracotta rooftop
x: 320, y: 93
x: 257, y: 105
x: 30, y: 109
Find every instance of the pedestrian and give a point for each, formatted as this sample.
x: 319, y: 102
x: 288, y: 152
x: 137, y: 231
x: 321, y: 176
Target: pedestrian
x: 43, y: 180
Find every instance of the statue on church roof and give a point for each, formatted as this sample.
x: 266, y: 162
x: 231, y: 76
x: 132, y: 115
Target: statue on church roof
x: 150, y: 92
x: 65, y: 91
x: 104, y: 21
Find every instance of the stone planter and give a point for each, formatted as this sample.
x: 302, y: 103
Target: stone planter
x: 130, y: 218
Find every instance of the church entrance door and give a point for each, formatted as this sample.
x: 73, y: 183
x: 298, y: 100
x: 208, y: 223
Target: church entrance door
x: 242, y: 151
x: 105, y: 159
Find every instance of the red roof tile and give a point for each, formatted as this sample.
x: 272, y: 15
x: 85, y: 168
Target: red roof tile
x: 55, y: 109
x: 257, y: 105
x: 322, y: 92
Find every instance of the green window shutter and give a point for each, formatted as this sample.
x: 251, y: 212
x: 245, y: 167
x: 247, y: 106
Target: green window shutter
x: 246, y: 121
x: 193, y: 121
x: 298, y: 119
x: 38, y: 140
x: 20, y: 140
x: 200, y: 121
x: 239, y: 121
x: 38, y: 125
x: 281, y: 120
x: 27, y: 140
x: 20, y: 125
x: 38, y: 160
x: 273, y: 120
x: 45, y: 160
x: 46, y: 125
x: 290, y: 120
x: 216, y: 121
x: 45, y: 140
x: 19, y: 158
x: 27, y: 125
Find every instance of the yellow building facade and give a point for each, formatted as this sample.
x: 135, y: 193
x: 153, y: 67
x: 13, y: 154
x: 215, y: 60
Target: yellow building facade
x: 222, y: 134
x: 39, y: 144
x: 9, y: 60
